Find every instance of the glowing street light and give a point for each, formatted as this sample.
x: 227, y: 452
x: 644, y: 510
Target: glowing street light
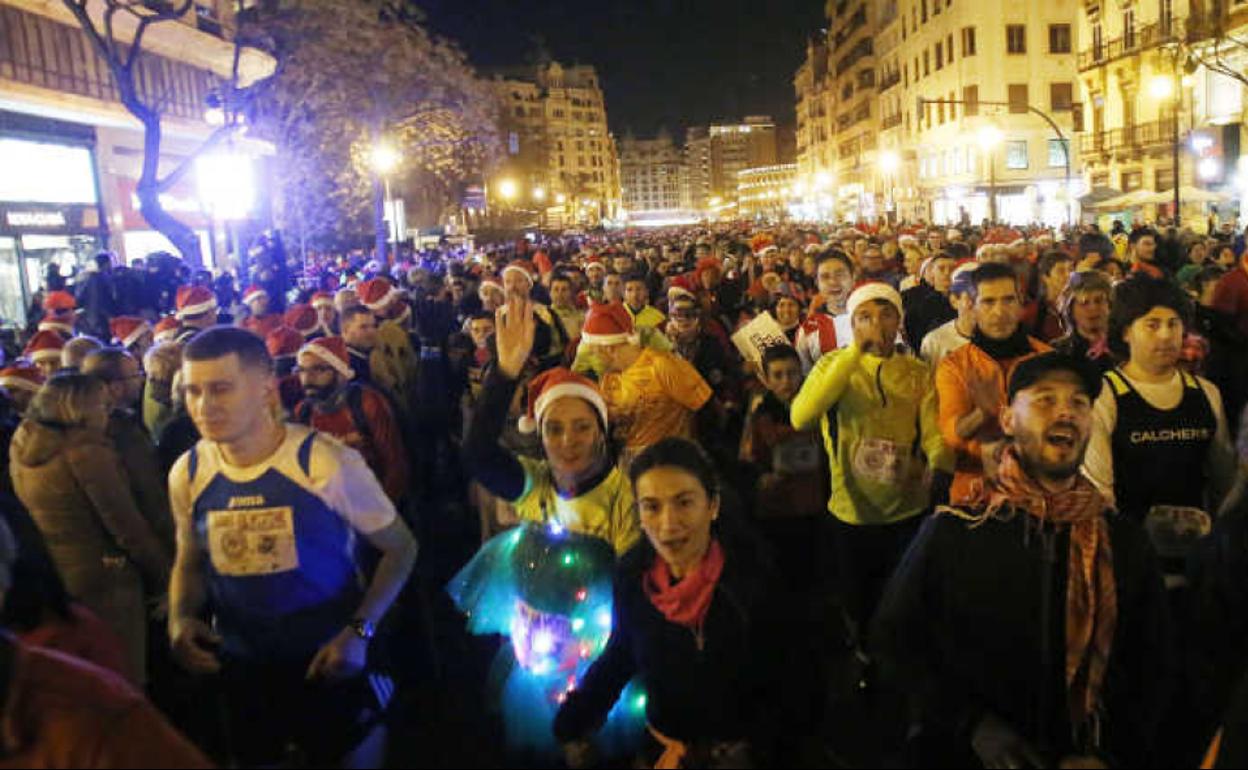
x: 889, y: 162
x: 823, y: 180
x: 384, y: 159
x: 539, y: 194
x: 561, y: 199
x: 1161, y: 87
x: 989, y: 138
x: 507, y: 189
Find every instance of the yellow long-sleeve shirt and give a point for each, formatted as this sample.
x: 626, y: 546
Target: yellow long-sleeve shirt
x: 885, y: 434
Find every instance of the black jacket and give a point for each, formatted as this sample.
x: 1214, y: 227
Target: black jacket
x: 963, y: 628
x: 925, y: 309
x: 721, y: 692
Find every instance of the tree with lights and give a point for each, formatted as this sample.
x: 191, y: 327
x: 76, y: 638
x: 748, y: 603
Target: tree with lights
x: 147, y: 98
x: 351, y: 76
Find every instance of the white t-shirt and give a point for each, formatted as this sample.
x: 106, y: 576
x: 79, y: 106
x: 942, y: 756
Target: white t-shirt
x: 940, y: 342
x: 1098, y: 463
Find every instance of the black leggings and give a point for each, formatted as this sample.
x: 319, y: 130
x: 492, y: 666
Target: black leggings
x: 864, y: 558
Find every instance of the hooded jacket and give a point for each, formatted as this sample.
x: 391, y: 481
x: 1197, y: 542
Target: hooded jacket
x: 877, y: 415
x: 74, y: 485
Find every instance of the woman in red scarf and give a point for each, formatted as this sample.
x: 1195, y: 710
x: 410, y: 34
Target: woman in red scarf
x: 688, y: 623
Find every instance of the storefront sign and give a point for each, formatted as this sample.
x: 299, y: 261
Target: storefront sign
x: 34, y: 219
x: 49, y: 219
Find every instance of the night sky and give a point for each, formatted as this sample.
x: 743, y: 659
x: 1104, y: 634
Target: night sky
x: 670, y: 63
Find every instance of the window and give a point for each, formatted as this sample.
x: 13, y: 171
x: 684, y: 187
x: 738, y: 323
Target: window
x: 1057, y: 152
x: 513, y: 143
x: 1061, y: 97
x: 1059, y: 38
x: 1016, y: 154
x: 970, y: 95
x: 1128, y: 29
x: 923, y: 5
x: 905, y: 74
x: 940, y: 56
x: 1018, y: 98
x: 927, y: 63
x: 935, y: 7
x: 968, y: 41
x: 1016, y: 38
x: 949, y: 47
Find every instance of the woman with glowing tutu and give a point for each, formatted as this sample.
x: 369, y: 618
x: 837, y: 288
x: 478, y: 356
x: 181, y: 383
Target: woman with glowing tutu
x: 547, y: 583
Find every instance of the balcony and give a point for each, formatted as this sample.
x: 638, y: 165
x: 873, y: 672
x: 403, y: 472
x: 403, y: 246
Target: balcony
x: 889, y: 80
x: 892, y: 121
x: 1146, y: 37
x: 1142, y: 136
x: 864, y: 49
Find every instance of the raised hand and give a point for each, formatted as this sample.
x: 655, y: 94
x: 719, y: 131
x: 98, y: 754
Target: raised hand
x: 514, y: 329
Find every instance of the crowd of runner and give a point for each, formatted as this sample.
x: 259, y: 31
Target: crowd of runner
x: 995, y: 469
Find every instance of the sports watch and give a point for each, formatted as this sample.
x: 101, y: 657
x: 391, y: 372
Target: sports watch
x: 362, y: 628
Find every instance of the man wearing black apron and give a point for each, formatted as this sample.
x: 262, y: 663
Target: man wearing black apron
x: 1161, y: 451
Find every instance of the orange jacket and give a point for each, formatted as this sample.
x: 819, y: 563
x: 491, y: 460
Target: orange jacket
x: 955, y: 376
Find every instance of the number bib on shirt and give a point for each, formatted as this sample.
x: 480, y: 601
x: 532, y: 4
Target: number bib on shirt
x: 257, y: 541
x: 880, y: 460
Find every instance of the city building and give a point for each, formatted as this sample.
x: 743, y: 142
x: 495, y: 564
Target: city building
x: 983, y: 150
x: 71, y: 154
x: 853, y: 85
x: 736, y: 147
x: 652, y: 183
x: 1146, y: 90
x: 697, y: 154
x: 766, y: 193
x: 562, y: 162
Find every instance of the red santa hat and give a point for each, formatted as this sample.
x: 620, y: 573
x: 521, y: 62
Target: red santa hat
x: 554, y: 384
x: 595, y: 263
x: 59, y: 302
x: 127, y: 329
x: 194, y: 300
x: 680, y: 287
x: 45, y: 344
x: 166, y: 329
x: 322, y: 299
x: 489, y: 282
x: 283, y: 341
x: 302, y: 318
x: 53, y: 323
x: 608, y: 325
x: 873, y: 290
x: 253, y: 293
x: 523, y: 267
x: 377, y: 293
x: 333, y: 351
x: 21, y: 376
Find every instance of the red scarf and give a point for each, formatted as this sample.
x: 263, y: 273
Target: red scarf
x: 687, y: 602
x: 1091, y: 595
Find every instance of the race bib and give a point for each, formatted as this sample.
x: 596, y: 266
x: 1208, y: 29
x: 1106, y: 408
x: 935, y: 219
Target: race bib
x: 880, y: 460
x: 255, y: 541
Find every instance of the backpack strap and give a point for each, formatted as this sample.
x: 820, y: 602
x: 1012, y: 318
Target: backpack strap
x: 355, y: 402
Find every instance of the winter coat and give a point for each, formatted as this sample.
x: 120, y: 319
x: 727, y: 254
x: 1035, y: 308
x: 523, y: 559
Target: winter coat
x: 962, y: 630
x: 75, y: 486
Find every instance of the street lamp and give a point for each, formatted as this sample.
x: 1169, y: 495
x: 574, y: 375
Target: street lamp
x: 889, y: 163
x: 539, y: 194
x: 384, y: 159
x: 1161, y: 88
x: 989, y: 138
x: 507, y: 189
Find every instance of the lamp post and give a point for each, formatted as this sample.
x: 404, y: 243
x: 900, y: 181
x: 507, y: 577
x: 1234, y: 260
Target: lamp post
x: 1162, y: 88
x: 989, y: 138
x: 384, y: 160
x: 889, y: 162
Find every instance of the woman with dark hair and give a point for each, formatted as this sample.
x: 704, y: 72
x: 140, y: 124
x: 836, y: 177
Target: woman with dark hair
x: 689, y: 622
x: 1084, y: 306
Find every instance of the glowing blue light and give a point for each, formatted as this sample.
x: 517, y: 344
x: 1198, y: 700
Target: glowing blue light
x: 604, y: 618
x: 639, y: 702
x: 556, y: 528
x: 542, y: 667
x: 577, y: 625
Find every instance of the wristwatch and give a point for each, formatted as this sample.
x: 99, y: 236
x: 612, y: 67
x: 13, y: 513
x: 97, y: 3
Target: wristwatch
x: 362, y: 628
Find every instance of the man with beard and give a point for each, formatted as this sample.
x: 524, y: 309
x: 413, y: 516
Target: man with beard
x: 1029, y: 628
x: 355, y: 414
x: 827, y: 327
